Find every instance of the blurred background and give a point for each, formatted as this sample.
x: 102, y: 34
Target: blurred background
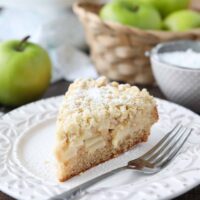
x: 53, y: 25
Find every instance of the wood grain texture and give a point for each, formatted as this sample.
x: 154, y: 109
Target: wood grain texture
x: 60, y: 88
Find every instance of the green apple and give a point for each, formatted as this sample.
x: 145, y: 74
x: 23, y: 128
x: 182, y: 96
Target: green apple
x: 132, y: 14
x: 25, y: 72
x: 169, y: 6
x: 182, y: 20
x: 165, y: 7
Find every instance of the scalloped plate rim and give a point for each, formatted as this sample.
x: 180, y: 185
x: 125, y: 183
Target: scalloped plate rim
x: 2, y: 118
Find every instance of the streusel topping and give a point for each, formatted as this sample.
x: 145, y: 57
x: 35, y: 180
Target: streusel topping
x: 94, y: 106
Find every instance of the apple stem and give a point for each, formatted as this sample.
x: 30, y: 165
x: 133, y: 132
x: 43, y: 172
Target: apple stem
x: 20, y: 46
x: 135, y: 8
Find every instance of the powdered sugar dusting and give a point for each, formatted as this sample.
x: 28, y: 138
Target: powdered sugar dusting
x: 106, y: 95
x: 98, y: 96
x: 92, y: 95
x: 95, y: 94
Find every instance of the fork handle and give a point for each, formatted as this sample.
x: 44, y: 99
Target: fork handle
x: 78, y: 191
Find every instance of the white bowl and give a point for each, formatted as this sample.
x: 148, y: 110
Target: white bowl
x: 181, y: 85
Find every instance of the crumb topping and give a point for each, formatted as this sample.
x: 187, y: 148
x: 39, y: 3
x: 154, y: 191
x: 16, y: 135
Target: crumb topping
x: 96, y: 106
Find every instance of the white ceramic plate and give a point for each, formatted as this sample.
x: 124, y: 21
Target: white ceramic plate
x: 27, y: 166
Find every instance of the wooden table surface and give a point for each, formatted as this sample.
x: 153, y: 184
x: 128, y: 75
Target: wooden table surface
x: 59, y: 88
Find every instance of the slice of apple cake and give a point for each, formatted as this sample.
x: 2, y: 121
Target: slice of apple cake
x: 98, y: 121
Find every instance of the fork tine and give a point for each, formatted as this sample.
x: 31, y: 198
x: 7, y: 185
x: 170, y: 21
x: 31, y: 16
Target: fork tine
x: 168, y: 156
x: 162, y: 141
x: 156, y: 157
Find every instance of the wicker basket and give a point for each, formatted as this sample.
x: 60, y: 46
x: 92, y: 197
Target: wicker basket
x: 118, y: 51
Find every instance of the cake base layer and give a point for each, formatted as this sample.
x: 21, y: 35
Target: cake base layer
x: 83, y: 160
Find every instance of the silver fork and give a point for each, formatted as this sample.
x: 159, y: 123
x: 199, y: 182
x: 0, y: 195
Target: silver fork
x: 150, y: 163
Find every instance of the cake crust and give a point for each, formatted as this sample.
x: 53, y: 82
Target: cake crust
x: 99, y: 121
x: 76, y: 171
